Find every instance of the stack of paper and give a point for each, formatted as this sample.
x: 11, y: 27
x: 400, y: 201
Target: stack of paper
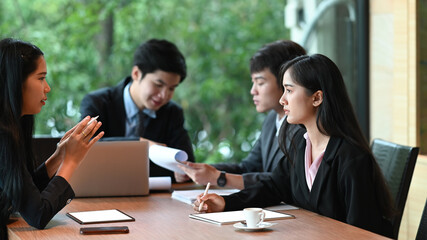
x: 189, y: 196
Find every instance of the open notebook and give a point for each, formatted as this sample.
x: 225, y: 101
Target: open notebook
x: 113, y: 168
x: 230, y: 217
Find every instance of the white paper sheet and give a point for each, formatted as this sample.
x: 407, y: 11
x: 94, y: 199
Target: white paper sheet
x: 167, y: 157
x: 160, y: 183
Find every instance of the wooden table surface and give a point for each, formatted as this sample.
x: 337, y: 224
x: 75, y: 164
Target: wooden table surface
x: 158, y: 216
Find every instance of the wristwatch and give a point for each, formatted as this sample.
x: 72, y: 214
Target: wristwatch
x: 221, y: 181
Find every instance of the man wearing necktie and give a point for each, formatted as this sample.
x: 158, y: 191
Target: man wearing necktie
x: 140, y: 106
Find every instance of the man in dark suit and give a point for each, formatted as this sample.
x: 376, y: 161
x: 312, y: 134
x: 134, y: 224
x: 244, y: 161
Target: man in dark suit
x: 140, y: 106
x: 266, y: 154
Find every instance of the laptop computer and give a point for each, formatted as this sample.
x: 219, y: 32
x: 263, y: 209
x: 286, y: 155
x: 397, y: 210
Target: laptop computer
x: 113, y: 168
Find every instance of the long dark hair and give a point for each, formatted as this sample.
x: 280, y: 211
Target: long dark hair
x: 335, y: 116
x: 17, y: 60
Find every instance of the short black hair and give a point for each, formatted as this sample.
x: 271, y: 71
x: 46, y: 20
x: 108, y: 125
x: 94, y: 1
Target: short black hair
x: 161, y: 55
x: 273, y: 55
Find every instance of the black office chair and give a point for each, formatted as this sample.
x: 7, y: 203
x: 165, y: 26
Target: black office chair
x: 422, y: 229
x: 397, y: 163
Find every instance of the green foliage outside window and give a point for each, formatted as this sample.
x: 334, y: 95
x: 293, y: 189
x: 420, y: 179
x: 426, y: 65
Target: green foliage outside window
x: 90, y: 44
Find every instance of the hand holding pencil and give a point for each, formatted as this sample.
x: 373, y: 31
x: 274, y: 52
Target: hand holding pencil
x: 207, y: 202
x: 204, y: 194
x: 69, y: 132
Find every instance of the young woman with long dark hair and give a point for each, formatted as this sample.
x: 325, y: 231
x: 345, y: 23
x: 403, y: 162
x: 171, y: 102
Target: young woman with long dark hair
x: 37, y: 194
x: 328, y: 168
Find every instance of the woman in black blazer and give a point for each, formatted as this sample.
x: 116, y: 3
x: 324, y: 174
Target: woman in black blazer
x: 37, y: 194
x: 328, y: 168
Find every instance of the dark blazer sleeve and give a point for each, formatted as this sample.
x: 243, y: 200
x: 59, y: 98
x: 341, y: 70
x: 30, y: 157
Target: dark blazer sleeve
x: 37, y: 206
x: 269, y: 191
x: 255, y: 166
x: 40, y: 177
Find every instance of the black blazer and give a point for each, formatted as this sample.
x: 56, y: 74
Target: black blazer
x: 263, y: 158
x: 167, y: 127
x: 343, y: 188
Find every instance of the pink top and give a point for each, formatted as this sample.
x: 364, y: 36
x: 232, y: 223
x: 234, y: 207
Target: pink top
x: 311, y: 168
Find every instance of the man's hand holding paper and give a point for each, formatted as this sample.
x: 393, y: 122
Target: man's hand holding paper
x: 201, y: 173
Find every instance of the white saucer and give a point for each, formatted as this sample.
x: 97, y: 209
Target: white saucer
x: 261, y: 226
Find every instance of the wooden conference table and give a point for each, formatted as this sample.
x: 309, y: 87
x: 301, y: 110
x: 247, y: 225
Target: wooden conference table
x: 158, y: 216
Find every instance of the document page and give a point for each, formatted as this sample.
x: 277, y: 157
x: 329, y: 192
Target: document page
x: 167, y: 157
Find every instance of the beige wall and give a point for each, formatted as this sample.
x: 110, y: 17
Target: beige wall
x: 393, y: 71
x: 381, y: 66
x: 393, y: 92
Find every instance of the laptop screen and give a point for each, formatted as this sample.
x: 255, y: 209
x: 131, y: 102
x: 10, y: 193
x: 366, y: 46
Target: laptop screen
x: 113, y: 168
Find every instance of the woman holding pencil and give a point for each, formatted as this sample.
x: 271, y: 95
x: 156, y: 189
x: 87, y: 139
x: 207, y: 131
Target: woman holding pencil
x: 37, y: 194
x: 329, y: 168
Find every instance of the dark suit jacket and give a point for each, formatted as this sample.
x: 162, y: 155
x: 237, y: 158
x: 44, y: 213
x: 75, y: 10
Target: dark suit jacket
x: 343, y: 188
x: 263, y: 158
x: 167, y: 127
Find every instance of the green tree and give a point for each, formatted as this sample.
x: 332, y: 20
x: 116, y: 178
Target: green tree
x: 90, y: 44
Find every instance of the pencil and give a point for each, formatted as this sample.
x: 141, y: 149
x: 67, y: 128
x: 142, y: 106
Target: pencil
x: 204, y: 194
x: 91, y: 121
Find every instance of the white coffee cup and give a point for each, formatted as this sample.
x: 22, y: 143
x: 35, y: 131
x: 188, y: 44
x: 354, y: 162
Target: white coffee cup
x: 253, y: 216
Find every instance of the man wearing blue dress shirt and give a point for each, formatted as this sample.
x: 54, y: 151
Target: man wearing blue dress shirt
x: 140, y: 106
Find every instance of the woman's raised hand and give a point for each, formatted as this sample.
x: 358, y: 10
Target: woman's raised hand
x: 75, y: 144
